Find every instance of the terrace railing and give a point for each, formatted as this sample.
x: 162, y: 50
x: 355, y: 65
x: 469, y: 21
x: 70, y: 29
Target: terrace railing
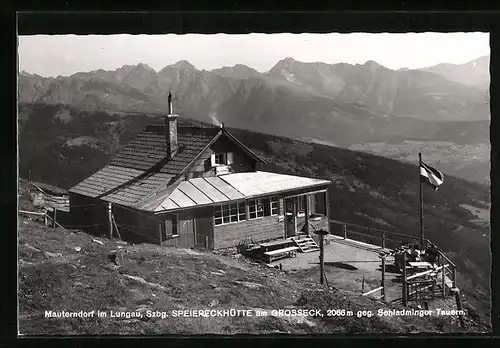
x: 393, y: 240
x: 374, y: 236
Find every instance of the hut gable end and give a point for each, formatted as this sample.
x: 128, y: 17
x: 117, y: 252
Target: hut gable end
x: 223, y: 156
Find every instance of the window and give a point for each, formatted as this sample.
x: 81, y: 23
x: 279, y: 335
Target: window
x: 219, y: 159
x: 228, y: 213
x: 274, y: 205
x: 169, y: 228
x: 255, y: 208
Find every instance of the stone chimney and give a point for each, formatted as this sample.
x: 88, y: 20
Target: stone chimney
x: 171, y: 129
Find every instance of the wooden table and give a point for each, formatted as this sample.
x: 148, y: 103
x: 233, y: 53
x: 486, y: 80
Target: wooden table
x: 420, y: 265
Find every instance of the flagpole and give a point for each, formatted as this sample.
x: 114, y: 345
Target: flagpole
x: 421, y: 203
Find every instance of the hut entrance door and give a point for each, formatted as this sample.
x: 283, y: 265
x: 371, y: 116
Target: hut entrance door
x: 290, y: 217
x: 186, y: 232
x: 203, y: 230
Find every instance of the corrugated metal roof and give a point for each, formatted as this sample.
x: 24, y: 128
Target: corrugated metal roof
x: 227, y: 190
x: 204, y: 186
x: 231, y: 187
x: 194, y: 193
x: 258, y: 183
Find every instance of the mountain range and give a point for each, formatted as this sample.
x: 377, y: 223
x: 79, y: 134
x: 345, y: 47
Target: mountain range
x: 473, y: 73
x: 336, y: 104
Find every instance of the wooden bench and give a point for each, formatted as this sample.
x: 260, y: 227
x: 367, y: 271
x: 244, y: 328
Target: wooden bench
x: 280, y: 253
x: 269, y: 246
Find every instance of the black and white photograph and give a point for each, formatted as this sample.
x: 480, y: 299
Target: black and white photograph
x: 256, y: 184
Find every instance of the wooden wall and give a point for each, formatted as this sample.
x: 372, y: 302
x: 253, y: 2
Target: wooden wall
x: 88, y: 214
x: 185, y: 229
x: 264, y: 228
x: 136, y: 226
x: 194, y: 227
x: 268, y: 227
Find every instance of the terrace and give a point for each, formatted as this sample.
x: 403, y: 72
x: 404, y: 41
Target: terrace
x: 355, y: 265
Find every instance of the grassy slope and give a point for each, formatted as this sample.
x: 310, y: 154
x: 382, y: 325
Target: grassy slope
x: 55, y: 276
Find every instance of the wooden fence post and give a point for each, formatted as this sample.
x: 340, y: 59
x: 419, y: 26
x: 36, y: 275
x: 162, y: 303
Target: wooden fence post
x: 454, y: 277
x: 383, y: 239
x: 458, y: 301
x: 306, y: 216
x: 443, y: 277
x: 344, y: 231
x: 404, y: 284
x: 55, y: 218
x: 116, y: 228
x: 383, y: 278
x: 321, y: 258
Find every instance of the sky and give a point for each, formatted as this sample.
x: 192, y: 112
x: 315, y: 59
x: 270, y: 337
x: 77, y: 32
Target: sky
x: 53, y: 55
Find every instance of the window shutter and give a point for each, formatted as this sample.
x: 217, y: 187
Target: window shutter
x: 229, y: 158
x: 212, y: 160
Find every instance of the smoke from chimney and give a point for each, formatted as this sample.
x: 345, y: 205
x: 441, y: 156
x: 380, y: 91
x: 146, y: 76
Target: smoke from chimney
x: 215, y: 121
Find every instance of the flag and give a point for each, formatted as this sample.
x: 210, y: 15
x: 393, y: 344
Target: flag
x: 430, y: 175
